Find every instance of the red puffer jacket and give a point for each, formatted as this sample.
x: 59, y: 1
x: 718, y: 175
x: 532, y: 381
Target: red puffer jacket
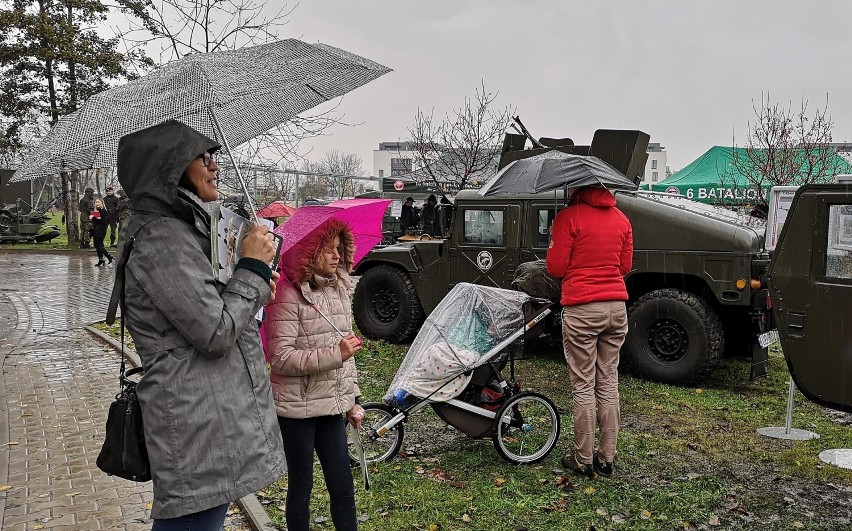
x: 591, y: 249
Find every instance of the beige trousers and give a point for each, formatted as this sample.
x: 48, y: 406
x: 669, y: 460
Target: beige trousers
x: 592, y: 335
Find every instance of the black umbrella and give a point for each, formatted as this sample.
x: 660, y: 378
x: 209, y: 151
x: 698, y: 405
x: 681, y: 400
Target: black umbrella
x: 553, y: 170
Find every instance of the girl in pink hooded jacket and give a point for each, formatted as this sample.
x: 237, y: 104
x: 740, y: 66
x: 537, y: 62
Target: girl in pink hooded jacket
x: 314, y: 380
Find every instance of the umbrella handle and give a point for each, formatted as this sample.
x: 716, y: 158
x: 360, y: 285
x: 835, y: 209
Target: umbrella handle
x: 234, y: 163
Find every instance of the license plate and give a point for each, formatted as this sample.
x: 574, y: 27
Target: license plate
x: 767, y: 338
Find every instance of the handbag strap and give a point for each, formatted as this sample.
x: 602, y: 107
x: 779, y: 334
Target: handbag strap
x: 129, y: 249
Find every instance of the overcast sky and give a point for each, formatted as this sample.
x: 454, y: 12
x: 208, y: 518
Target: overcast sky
x: 684, y: 72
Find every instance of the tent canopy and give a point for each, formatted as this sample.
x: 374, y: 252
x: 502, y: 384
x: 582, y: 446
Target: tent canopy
x: 713, y: 178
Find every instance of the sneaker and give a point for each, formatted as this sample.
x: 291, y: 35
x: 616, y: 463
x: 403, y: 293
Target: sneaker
x: 570, y: 462
x: 602, y: 468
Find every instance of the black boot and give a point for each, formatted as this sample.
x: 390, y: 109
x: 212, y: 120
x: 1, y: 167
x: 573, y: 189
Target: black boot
x: 110, y: 258
x: 100, y: 263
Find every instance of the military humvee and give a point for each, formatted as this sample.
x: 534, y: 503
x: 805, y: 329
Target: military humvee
x: 697, y: 288
x: 810, y: 279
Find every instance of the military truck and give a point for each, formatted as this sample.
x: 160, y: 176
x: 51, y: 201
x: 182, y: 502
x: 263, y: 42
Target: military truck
x: 697, y: 288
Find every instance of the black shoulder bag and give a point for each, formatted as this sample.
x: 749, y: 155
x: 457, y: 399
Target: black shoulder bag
x: 124, y: 453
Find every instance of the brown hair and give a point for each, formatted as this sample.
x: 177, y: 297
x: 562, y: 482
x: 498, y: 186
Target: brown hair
x: 313, y: 245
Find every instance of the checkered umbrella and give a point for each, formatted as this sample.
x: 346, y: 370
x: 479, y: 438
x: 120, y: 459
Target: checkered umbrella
x: 230, y: 96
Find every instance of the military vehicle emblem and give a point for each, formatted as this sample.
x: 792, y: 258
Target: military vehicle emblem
x: 484, y: 260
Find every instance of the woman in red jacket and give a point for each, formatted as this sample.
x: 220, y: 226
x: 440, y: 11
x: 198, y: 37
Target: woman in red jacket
x: 591, y: 249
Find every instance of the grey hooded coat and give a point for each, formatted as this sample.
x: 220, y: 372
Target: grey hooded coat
x: 210, y: 423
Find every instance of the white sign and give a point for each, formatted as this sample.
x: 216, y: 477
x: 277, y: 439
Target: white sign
x: 396, y: 208
x: 780, y: 199
x: 723, y: 193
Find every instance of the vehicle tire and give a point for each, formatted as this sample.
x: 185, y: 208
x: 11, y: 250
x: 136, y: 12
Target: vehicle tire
x: 673, y: 337
x: 383, y: 448
x: 386, y: 305
x: 526, y: 428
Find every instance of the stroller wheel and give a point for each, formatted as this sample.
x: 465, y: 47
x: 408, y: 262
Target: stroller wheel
x: 378, y: 448
x: 526, y: 428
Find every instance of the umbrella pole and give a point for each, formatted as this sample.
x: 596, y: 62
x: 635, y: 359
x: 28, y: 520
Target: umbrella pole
x: 234, y: 163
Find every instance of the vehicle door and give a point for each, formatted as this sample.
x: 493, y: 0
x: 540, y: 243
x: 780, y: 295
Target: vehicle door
x: 810, y: 281
x: 487, y: 239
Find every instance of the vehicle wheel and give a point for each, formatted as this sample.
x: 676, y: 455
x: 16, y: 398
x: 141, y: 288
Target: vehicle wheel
x: 386, y: 305
x: 382, y: 448
x: 526, y: 428
x: 673, y: 336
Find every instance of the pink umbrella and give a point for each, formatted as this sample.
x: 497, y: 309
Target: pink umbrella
x: 276, y: 209
x: 364, y: 217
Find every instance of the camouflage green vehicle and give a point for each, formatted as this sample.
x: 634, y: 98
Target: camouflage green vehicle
x: 697, y: 288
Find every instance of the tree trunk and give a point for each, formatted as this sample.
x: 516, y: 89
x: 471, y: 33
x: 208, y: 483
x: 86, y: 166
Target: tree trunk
x: 74, y: 199
x: 48, y: 70
x: 70, y: 213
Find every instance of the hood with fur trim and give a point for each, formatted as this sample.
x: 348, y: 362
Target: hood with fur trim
x: 298, y: 263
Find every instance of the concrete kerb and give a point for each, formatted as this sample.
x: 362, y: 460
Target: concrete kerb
x: 249, y: 505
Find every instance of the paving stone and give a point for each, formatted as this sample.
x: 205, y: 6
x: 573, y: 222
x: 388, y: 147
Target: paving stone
x: 57, y: 382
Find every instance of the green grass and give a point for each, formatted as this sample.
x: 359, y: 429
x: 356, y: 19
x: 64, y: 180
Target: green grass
x: 688, y: 458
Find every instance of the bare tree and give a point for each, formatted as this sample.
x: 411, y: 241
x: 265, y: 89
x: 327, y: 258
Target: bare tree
x: 460, y: 149
x: 785, y: 147
x: 183, y: 27
x: 342, y: 167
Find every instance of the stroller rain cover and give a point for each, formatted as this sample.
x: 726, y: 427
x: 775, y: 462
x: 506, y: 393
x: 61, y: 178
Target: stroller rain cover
x: 469, y: 322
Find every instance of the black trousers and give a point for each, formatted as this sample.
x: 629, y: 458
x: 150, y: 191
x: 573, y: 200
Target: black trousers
x: 99, y: 247
x: 326, y: 435
x: 113, y: 230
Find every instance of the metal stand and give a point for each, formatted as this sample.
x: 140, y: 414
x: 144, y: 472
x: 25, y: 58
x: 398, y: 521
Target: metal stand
x: 840, y: 457
x: 788, y: 432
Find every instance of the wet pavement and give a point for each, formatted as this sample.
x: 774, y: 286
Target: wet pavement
x: 56, y: 386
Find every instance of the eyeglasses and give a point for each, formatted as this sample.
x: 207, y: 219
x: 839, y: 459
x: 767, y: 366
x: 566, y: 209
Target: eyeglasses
x: 206, y: 158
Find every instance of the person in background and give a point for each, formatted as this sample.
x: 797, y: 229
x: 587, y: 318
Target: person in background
x: 591, y: 249
x: 86, y: 205
x: 313, y: 373
x: 429, y: 215
x: 111, y: 204
x: 99, y: 218
x: 408, y: 217
x: 210, y: 425
x: 123, y: 209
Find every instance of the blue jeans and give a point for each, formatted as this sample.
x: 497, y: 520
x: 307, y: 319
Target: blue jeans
x: 208, y: 520
x: 327, y: 436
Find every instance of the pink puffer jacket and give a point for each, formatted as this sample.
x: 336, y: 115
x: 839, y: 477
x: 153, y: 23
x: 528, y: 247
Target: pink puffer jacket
x: 308, y: 377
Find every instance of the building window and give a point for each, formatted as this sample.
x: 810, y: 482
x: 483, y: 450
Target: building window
x: 400, y: 166
x: 381, y: 174
x: 653, y: 164
x: 654, y: 177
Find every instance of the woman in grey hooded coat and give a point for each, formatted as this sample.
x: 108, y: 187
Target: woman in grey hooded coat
x: 210, y: 423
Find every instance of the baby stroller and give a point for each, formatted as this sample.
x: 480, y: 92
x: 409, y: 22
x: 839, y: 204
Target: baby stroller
x: 455, y: 365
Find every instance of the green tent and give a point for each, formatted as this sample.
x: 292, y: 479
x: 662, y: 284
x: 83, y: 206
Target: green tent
x: 712, y: 178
